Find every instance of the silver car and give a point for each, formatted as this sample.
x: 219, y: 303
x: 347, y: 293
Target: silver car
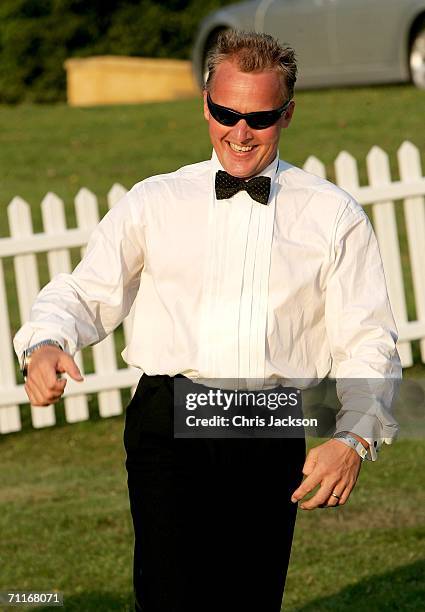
x: 338, y: 42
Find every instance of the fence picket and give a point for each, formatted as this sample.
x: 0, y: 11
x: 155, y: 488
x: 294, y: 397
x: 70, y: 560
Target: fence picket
x: 315, y: 166
x: 346, y: 172
x: 59, y: 260
x: 115, y: 194
x: 104, y: 357
x: 10, y: 417
x: 385, y: 226
x: 53, y: 216
x: 409, y: 162
x: 28, y: 286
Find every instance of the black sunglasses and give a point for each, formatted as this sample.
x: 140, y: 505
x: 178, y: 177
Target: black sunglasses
x: 257, y: 121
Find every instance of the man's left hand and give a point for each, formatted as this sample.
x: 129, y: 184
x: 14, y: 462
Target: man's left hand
x: 333, y: 466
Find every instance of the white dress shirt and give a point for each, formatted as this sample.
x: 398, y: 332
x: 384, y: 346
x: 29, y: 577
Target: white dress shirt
x: 224, y: 289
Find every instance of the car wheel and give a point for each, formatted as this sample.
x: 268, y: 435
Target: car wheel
x: 211, y: 41
x: 417, y: 58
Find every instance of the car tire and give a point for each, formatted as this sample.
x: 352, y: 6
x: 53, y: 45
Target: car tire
x: 417, y: 57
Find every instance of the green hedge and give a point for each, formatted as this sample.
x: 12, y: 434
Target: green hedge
x: 37, y: 36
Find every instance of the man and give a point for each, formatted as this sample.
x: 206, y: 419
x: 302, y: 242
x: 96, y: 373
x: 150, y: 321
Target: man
x: 234, y: 277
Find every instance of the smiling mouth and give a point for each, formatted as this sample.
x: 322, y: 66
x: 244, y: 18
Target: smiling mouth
x: 240, y: 148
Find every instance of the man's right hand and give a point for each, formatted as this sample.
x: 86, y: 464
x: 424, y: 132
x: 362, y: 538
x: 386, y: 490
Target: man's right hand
x: 42, y: 385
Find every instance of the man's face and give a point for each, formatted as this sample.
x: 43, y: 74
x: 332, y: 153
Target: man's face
x: 243, y: 151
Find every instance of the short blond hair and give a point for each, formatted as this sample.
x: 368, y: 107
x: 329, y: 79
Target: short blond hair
x: 253, y: 52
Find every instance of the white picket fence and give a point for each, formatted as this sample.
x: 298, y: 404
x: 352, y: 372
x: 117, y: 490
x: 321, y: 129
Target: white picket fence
x: 382, y: 194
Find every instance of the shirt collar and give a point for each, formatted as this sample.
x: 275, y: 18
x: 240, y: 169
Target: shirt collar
x: 270, y: 170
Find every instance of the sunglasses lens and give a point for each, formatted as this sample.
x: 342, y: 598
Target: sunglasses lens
x: 224, y: 116
x: 262, y: 121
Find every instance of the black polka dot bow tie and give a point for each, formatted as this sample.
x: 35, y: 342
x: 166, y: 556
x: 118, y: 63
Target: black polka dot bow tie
x: 227, y: 185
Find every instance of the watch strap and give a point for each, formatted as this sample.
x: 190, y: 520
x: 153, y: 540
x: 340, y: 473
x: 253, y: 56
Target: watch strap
x: 26, y: 355
x: 346, y: 438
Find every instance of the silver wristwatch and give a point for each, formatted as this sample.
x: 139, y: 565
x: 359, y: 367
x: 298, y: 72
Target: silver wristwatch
x: 346, y: 438
x: 26, y: 355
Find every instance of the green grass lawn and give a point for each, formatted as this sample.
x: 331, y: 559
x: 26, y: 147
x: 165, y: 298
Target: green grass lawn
x: 66, y: 525
x: 64, y: 518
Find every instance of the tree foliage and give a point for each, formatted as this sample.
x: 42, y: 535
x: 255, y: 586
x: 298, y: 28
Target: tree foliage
x: 37, y: 36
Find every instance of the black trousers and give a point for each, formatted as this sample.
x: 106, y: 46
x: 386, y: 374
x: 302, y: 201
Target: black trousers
x: 213, y: 520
